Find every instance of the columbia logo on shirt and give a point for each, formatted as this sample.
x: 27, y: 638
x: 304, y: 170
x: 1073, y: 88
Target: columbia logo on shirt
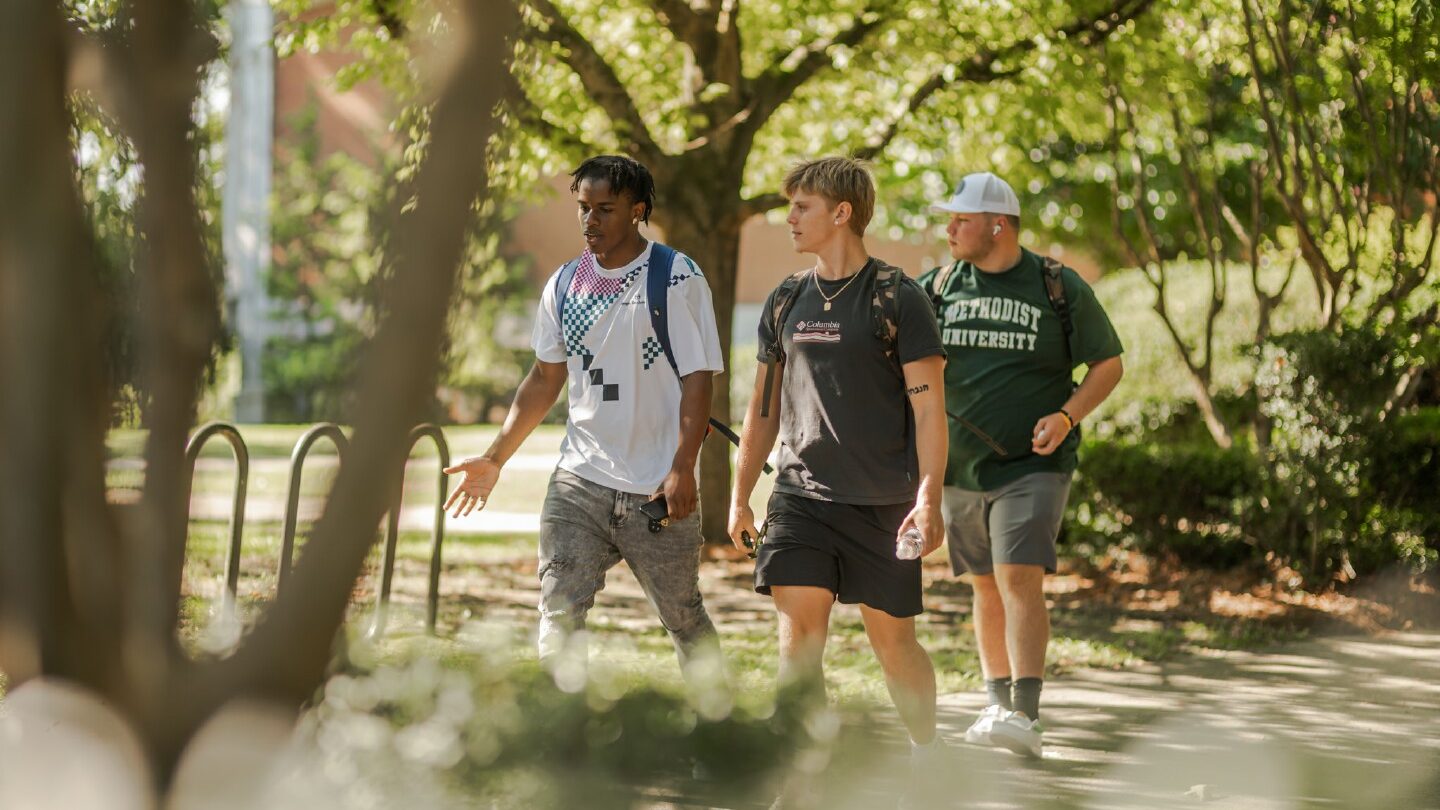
x: 816, y: 332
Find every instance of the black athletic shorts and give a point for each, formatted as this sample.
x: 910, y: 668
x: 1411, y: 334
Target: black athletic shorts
x: 845, y: 548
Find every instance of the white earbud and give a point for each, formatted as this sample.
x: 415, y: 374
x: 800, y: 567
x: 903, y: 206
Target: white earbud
x: 996, y: 231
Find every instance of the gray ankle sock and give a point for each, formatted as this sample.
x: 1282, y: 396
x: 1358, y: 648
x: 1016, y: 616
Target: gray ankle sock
x: 997, y: 691
x: 1026, y: 696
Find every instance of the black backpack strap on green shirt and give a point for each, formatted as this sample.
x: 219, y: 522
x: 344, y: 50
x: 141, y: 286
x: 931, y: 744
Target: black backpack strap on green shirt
x: 1055, y: 291
x: 780, y: 307
x: 936, y: 288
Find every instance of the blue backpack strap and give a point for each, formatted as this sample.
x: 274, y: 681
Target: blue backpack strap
x: 562, y: 289
x: 657, y: 297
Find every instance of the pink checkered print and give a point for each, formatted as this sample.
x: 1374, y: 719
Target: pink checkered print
x: 589, y: 282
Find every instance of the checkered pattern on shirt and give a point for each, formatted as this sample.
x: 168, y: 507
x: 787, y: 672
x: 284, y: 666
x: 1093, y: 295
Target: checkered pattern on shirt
x: 590, y: 295
x: 650, y: 350
x: 693, y: 272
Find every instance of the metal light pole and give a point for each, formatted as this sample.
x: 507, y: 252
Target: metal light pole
x: 249, y: 139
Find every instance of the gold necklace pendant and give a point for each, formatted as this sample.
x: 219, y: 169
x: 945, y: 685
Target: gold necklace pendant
x: 815, y: 276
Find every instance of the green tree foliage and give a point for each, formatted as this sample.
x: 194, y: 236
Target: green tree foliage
x: 718, y: 99
x: 488, y: 342
x: 1229, y: 138
x: 395, y: 45
x: 110, y: 179
x: 325, y: 215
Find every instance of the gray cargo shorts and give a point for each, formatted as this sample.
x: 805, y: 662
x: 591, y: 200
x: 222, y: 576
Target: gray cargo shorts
x: 585, y: 529
x: 1015, y: 524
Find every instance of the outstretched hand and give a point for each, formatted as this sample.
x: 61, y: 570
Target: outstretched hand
x: 481, y: 474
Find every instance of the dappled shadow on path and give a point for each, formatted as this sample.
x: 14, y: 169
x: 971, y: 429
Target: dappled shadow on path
x: 1340, y: 722
x: 1331, y: 723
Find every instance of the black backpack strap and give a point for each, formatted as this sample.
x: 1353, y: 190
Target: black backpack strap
x: 942, y: 277
x: 780, y: 307
x: 1055, y: 291
x: 884, y: 309
x: 657, y: 297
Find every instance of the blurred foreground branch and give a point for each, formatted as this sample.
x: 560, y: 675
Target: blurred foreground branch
x: 89, y: 591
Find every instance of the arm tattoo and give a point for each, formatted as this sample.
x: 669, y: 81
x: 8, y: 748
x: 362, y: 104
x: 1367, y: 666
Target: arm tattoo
x: 919, y: 389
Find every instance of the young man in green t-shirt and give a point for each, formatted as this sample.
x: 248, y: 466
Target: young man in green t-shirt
x: 1013, y: 434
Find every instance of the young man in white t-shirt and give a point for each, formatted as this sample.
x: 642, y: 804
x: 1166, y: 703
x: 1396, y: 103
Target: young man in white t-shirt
x: 635, y: 421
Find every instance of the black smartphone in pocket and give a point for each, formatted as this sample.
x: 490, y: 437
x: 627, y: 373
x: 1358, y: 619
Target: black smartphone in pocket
x: 656, y: 509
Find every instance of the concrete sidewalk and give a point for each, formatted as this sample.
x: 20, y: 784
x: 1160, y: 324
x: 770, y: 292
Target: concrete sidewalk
x: 1347, y: 722
x: 1344, y: 722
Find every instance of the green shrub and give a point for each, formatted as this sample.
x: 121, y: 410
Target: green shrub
x: 503, y: 733
x: 1335, y: 486
x: 1331, y: 450
x: 1182, y: 500
x: 1404, y: 487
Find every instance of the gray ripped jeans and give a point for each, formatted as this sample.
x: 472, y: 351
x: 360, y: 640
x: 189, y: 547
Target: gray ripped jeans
x: 585, y: 529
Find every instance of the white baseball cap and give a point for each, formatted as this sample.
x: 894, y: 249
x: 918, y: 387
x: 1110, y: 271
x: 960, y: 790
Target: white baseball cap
x: 980, y: 193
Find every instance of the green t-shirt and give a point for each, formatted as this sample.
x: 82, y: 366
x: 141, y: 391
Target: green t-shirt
x: 1008, y: 366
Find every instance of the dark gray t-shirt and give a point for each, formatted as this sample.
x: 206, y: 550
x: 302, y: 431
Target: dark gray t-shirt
x: 846, y: 431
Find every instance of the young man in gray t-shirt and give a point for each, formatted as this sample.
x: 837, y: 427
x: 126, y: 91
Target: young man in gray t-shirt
x: 857, y: 403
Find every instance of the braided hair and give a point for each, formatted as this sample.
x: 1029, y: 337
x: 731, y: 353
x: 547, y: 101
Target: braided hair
x: 623, y: 174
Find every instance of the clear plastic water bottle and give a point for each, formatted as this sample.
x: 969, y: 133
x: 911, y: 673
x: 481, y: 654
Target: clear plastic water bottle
x: 909, y: 545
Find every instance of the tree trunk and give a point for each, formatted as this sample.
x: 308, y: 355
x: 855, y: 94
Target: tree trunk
x: 1219, y: 431
x: 710, y: 234
x: 41, y: 230
x: 60, y: 613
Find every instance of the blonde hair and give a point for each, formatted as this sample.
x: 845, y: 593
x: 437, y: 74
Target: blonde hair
x: 837, y: 179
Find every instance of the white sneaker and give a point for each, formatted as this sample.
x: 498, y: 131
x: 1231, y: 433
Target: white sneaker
x: 929, y: 767
x: 979, y: 731
x: 926, y: 759
x: 1018, y: 733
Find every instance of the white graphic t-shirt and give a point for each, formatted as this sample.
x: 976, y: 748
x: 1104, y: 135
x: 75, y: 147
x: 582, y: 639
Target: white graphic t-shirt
x: 624, y: 424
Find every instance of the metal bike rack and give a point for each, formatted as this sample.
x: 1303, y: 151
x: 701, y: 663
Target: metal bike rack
x: 324, y: 430
x: 237, y: 513
x: 307, y: 440
x: 392, y: 534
